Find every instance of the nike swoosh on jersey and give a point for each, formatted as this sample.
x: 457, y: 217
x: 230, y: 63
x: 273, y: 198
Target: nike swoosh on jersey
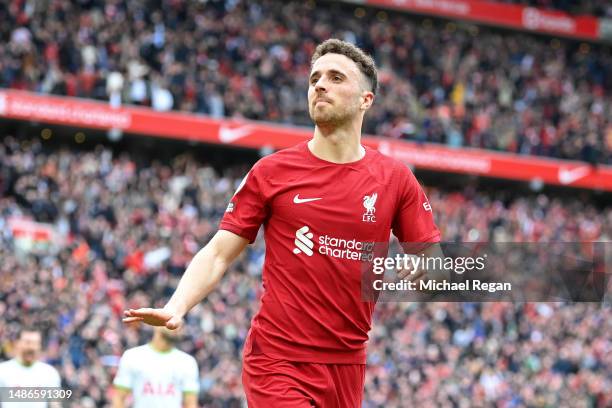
x: 299, y: 200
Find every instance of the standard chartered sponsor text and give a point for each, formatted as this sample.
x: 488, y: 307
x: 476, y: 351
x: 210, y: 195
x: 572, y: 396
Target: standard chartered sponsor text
x: 346, y: 248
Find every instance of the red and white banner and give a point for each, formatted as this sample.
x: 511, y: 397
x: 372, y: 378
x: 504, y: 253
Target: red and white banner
x: 500, y: 165
x: 36, y: 231
x: 500, y: 14
x: 31, y: 236
x: 185, y: 126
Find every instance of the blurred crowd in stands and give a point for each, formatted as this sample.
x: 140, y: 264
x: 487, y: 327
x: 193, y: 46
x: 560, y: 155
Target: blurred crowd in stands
x: 126, y: 231
x: 443, y: 82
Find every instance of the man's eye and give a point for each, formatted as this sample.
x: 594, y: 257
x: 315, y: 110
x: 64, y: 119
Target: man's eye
x: 337, y: 78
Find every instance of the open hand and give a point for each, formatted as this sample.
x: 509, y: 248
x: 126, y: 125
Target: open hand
x: 153, y: 317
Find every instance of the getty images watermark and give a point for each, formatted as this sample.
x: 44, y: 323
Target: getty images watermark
x: 482, y: 271
x: 434, y: 270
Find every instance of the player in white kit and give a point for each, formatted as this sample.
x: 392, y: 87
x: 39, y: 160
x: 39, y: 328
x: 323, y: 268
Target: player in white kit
x: 25, y: 369
x: 157, y: 374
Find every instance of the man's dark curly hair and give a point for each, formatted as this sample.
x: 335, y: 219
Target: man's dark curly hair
x: 364, y: 61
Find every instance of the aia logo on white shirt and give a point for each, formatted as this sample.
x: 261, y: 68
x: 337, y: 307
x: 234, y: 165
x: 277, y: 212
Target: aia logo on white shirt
x: 158, y: 389
x: 369, y: 203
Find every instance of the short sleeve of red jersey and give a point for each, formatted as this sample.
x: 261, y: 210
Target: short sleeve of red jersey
x: 247, y: 208
x: 413, y: 219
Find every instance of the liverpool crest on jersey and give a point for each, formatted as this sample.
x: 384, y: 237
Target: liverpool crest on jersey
x: 369, y: 203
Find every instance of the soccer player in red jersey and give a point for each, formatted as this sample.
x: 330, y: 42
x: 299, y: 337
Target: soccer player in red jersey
x: 318, y: 202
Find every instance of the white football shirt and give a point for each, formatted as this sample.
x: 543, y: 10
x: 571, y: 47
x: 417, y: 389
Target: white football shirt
x: 39, y: 374
x: 157, y: 379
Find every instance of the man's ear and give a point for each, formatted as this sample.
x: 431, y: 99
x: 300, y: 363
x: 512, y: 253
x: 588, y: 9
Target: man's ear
x: 367, y: 98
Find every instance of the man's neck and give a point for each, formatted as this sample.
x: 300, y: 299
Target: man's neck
x: 161, y: 346
x: 24, y: 363
x: 337, y: 145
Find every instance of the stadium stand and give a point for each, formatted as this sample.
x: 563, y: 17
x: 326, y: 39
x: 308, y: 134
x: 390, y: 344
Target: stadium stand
x: 133, y: 224
x: 441, y: 81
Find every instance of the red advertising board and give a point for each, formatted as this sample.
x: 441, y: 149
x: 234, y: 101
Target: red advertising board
x: 508, y: 15
x: 185, y: 126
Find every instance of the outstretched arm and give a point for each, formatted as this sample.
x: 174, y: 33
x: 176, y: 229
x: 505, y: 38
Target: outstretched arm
x: 202, y: 275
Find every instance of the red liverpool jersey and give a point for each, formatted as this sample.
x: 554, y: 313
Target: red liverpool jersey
x: 316, y: 215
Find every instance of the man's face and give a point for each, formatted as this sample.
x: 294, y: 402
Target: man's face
x: 29, y: 346
x: 336, y: 90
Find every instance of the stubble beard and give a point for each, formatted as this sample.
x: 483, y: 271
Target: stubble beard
x: 331, y: 116
x: 29, y: 356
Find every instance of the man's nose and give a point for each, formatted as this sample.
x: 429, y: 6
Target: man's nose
x: 320, y: 85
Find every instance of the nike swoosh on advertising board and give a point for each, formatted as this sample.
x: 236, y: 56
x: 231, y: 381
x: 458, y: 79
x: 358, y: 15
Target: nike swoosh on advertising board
x: 568, y: 176
x: 229, y: 135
